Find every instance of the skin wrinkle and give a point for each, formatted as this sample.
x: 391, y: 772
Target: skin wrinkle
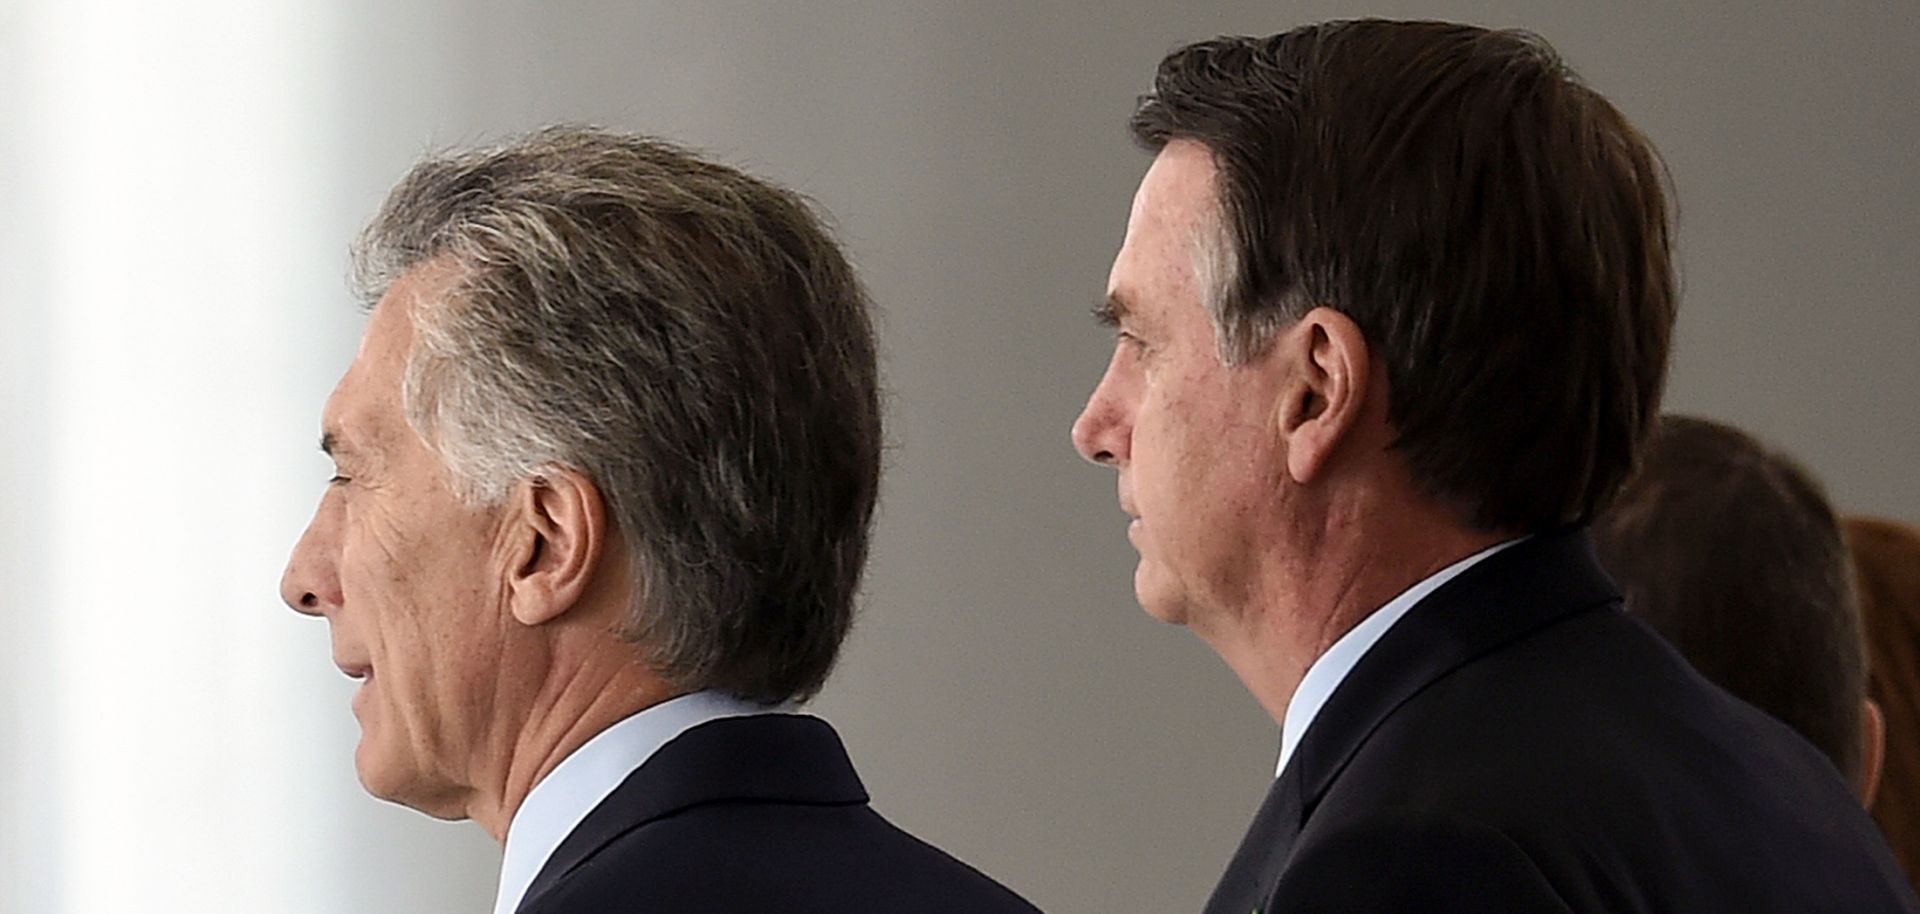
x: 580, y: 692
x: 505, y: 677
x: 551, y: 736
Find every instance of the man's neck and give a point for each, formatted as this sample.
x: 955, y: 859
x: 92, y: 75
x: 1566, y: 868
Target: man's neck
x: 1307, y: 602
x: 574, y: 706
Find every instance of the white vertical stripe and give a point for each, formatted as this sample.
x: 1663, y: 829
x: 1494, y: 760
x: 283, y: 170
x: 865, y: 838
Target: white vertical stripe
x: 175, y: 716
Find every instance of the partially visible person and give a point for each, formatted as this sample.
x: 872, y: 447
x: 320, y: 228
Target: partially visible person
x: 1886, y: 561
x: 1730, y: 550
x: 1391, y: 315
x: 606, y: 465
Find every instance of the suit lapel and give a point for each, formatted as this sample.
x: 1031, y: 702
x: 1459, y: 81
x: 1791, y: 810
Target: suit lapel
x: 771, y: 758
x: 1505, y: 597
x: 1249, y: 876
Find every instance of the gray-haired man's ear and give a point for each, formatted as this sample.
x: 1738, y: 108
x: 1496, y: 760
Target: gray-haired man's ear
x: 556, y: 539
x: 1873, y: 751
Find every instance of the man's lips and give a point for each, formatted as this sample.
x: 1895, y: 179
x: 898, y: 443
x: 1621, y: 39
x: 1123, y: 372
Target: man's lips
x: 355, y: 670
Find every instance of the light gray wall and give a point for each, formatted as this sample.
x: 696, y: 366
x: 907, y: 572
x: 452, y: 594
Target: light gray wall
x: 1002, y: 694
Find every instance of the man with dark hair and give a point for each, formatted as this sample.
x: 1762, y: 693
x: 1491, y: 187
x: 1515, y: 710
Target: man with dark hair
x: 1731, y: 552
x: 606, y: 463
x: 1393, y: 312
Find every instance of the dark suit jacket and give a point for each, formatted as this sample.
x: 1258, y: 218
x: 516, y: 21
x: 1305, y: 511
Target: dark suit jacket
x: 1517, y: 743
x: 753, y: 815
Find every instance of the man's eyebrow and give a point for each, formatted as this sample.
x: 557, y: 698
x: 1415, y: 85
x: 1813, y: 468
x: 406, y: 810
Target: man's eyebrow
x: 1111, y: 310
x: 331, y: 445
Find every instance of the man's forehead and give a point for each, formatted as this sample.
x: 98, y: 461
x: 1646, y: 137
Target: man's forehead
x: 1175, y: 200
x: 1170, y: 211
x: 1178, y: 191
x: 363, y: 413
x: 351, y: 427
x: 389, y: 333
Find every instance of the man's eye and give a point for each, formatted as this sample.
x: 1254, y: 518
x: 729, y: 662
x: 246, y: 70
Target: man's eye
x: 1134, y: 342
x: 336, y: 479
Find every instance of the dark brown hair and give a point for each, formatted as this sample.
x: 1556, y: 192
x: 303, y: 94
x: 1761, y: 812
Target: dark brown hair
x: 1497, y: 230
x: 691, y: 338
x: 1886, y: 560
x: 1731, y: 551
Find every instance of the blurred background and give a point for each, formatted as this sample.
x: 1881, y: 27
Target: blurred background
x: 178, y: 183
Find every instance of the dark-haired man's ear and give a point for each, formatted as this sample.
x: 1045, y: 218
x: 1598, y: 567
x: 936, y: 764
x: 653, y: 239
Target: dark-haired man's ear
x: 555, y: 547
x: 1873, y: 751
x: 1326, y: 389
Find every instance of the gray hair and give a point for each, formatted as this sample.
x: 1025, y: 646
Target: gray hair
x: 686, y: 335
x: 1239, y: 333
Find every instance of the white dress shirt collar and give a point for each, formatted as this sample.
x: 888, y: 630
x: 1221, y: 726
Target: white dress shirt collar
x: 563, y: 798
x: 1332, y: 667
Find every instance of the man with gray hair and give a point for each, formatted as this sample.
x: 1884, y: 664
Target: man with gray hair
x: 605, y: 468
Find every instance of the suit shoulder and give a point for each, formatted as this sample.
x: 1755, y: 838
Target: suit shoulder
x: 1626, y: 780
x: 843, y: 859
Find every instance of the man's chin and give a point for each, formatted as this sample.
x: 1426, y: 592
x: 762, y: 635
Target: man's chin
x: 381, y: 776
x: 399, y: 785
x: 1158, y: 596
x: 376, y: 774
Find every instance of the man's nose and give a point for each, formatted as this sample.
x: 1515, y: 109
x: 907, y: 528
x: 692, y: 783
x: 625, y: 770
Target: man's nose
x: 311, y: 584
x: 1099, y: 434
